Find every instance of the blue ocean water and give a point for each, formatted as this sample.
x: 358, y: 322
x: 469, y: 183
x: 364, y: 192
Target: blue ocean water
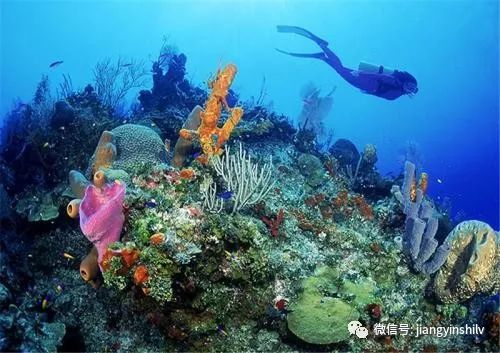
x: 451, y: 47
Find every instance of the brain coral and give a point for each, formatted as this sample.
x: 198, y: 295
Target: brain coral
x: 136, y: 144
x: 319, y: 315
x: 471, y: 266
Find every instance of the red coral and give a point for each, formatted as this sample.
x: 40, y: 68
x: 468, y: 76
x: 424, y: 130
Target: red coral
x: 313, y: 201
x: 141, y: 275
x: 374, y: 310
x: 129, y: 257
x: 274, y: 224
x: 363, y: 207
x: 341, y: 199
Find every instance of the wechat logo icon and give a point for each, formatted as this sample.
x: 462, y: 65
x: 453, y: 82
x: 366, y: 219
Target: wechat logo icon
x: 355, y: 327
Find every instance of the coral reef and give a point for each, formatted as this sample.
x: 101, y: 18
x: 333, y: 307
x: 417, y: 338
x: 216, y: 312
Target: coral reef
x: 311, y: 167
x: 271, y: 244
x: 247, y: 182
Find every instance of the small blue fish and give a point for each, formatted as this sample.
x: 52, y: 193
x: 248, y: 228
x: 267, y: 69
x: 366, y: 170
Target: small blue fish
x: 226, y: 195
x: 150, y: 204
x: 196, y: 155
x: 46, y: 301
x: 220, y: 330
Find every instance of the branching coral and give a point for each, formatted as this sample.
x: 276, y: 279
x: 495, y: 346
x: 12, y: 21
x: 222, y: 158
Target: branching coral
x: 248, y: 182
x: 211, y: 137
x: 274, y: 224
x: 114, y: 80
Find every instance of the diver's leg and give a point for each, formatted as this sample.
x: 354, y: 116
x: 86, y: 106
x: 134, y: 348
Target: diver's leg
x: 326, y: 55
x: 334, y: 61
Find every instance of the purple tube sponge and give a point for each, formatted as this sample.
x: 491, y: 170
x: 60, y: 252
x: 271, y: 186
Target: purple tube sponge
x: 101, y: 215
x: 421, y: 226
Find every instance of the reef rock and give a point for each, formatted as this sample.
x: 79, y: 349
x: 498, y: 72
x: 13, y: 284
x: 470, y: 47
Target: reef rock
x: 345, y: 152
x: 471, y: 266
x: 64, y: 114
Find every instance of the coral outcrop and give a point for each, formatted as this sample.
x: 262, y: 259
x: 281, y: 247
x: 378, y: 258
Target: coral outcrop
x: 472, y: 265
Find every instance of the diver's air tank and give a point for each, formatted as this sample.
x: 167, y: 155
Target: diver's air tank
x: 367, y: 67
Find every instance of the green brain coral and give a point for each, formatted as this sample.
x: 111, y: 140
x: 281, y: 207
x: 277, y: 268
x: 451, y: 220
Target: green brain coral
x: 137, y: 144
x: 320, y: 316
x: 471, y: 266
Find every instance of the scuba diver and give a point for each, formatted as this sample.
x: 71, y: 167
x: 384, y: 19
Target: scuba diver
x: 371, y: 79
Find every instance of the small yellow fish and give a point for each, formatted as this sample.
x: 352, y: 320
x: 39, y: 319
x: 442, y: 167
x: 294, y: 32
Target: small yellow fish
x: 45, y: 303
x: 228, y: 254
x: 68, y: 256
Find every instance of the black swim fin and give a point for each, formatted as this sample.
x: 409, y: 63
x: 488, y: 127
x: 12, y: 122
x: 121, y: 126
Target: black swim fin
x: 302, y: 32
x: 320, y: 55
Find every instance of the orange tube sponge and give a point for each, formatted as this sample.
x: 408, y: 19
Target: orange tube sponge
x: 423, y: 182
x: 99, y: 179
x: 73, y: 208
x: 184, y: 143
x: 210, y: 116
x: 89, y: 269
x: 105, y: 152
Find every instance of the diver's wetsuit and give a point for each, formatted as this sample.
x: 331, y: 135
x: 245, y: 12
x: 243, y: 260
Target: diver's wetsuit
x: 378, y: 84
